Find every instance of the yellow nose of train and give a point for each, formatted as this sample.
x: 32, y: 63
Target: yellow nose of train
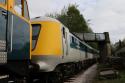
x: 53, y: 46
x: 46, y: 42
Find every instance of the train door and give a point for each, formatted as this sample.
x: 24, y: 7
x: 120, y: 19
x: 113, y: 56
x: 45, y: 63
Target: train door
x: 86, y: 52
x: 78, y: 49
x: 3, y: 28
x: 18, y: 36
x: 18, y: 32
x: 65, y: 42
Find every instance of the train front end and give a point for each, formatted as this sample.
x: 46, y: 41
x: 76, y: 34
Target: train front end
x: 46, y: 43
x: 3, y: 34
x: 15, y: 37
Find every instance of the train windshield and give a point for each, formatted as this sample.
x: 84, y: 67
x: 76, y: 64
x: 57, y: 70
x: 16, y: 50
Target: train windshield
x: 18, y: 6
x: 35, y: 34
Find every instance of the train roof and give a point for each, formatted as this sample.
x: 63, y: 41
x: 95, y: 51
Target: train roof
x: 44, y: 19
x: 87, y: 45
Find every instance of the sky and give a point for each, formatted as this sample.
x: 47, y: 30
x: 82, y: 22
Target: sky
x: 104, y: 15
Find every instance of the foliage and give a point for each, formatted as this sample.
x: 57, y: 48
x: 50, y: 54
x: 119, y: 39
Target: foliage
x: 118, y: 45
x: 72, y: 19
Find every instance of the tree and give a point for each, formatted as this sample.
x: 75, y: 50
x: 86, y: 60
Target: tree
x: 72, y: 19
x: 70, y: 16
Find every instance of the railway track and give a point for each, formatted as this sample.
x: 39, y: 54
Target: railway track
x: 82, y: 77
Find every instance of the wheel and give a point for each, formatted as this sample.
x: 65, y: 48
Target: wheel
x: 56, y: 77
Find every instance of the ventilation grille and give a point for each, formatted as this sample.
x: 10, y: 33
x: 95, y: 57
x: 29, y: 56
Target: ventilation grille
x: 3, y: 57
x: 3, y: 53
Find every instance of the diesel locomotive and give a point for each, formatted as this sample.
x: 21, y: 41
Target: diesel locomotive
x: 56, y: 49
x: 15, y: 37
x: 46, y: 47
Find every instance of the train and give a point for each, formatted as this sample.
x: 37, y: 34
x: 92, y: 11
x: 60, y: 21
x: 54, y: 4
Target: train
x: 15, y: 40
x: 40, y: 45
x: 15, y: 37
x: 56, y: 49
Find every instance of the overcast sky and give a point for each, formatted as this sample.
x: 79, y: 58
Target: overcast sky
x: 105, y: 15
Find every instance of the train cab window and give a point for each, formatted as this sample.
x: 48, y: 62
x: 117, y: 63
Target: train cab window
x: 18, y: 6
x: 21, y: 8
x: 3, y: 1
x: 35, y: 33
x: 26, y: 11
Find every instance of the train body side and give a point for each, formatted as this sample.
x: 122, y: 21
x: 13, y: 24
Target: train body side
x: 15, y: 37
x: 48, y: 50
x: 56, y: 45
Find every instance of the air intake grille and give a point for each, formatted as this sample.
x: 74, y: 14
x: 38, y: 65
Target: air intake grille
x: 2, y: 45
x: 3, y: 53
x: 3, y: 57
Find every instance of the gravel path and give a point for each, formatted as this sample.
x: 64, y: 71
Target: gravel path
x: 85, y: 77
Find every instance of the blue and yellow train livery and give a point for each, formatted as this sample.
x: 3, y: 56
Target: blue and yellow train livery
x: 15, y: 36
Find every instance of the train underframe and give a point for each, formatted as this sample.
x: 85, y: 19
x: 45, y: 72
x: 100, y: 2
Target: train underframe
x: 63, y: 71
x: 30, y: 73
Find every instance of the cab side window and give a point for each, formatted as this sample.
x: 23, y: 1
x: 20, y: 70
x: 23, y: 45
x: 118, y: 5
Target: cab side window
x: 18, y: 6
x: 26, y: 11
x: 35, y: 34
x: 21, y: 8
